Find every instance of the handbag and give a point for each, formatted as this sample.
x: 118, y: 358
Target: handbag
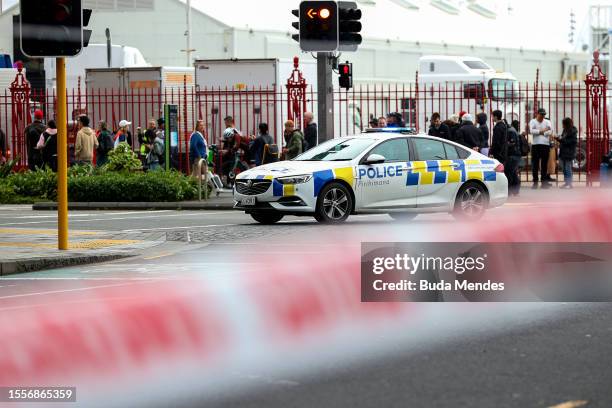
x: 41, y: 142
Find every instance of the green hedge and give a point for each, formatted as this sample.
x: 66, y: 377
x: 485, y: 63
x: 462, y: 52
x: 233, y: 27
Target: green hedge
x: 132, y: 187
x: 94, y: 186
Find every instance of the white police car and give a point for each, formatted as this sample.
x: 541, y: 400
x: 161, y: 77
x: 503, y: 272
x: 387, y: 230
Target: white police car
x: 394, y: 173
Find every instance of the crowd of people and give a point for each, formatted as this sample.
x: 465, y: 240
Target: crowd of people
x: 507, y: 144
x: 93, y: 146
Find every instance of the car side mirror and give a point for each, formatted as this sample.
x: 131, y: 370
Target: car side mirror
x: 375, y: 159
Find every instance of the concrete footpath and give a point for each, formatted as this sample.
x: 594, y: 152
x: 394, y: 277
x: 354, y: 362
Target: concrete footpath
x: 26, y: 250
x: 224, y: 202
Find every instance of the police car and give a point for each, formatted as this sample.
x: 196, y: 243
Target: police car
x: 395, y: 173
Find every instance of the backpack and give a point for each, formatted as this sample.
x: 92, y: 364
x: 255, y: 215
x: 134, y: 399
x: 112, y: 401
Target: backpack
x: 159, y: 151
x: 270, y: 154
x: 524, y: 145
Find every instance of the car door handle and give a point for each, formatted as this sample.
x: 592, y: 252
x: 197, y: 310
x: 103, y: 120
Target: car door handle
x: 455, y: 165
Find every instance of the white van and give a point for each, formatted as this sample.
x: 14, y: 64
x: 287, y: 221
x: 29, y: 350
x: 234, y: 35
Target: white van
x: 451, y: 84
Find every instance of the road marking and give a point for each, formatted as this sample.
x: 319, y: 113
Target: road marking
x: 26, y: 231
x: 148, y: 258
x: 93, y: 244
x: 202, y: 214
x: 571, y: 404
x: 179, y: 228
x: 66, y: 290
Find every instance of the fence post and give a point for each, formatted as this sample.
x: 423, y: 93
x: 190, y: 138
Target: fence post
x: 296, y: 95
x: 20, y: 104
x: 597, y: 137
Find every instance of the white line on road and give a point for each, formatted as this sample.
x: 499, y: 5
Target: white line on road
x: 65, y: 290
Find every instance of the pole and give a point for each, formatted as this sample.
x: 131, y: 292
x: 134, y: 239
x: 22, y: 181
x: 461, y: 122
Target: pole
x: 62, y: 157
x: 609, y: 52
x: 325, y: 95
x: 109, y: 55
x: 188, y: 33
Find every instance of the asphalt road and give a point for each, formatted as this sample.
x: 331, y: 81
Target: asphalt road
x: 531, y: 355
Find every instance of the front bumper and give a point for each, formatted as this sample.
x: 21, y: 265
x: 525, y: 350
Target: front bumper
x: 287, y: 198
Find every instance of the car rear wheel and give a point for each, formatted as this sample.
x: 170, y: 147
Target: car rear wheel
x: 471, y: 203
x: 334, y: 205
x: 400, y: 216
x: 267, y: 218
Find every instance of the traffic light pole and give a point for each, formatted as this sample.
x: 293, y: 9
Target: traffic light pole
x: 62, y: 157
x: 325, y: 95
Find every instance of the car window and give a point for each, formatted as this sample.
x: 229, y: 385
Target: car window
x: 393, y: 150
x: 463, y: 154
x: 337, y: 150
x: 451, y: 152
x: 427, y: 149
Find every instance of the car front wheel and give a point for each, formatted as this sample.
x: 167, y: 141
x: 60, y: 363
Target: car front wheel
x: 267, y: 218
x: 334, y: 205
x: 471, y: 203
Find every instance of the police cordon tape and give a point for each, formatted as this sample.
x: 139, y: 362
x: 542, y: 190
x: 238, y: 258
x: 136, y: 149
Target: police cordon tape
x: 140, y: 342
x: 125, y: 337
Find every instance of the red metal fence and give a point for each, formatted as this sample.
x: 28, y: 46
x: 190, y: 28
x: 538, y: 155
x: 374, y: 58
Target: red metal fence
x: 353, y: 109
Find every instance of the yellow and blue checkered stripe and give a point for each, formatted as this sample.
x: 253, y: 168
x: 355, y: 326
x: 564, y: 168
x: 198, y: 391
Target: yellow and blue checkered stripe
x: 447, y: 171
x: 320, y: 178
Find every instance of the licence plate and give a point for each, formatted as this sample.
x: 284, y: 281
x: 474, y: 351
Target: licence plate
x: 248, y: 201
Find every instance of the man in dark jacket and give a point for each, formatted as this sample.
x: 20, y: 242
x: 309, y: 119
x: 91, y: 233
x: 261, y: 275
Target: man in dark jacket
x: 257, y: 148
x: 438, y: 129
x: 481, y: 119
x: 499, y: 147
x: 468, y: 134
x: 310, y: 132
x: 511, y: 166
x: 32, y: 134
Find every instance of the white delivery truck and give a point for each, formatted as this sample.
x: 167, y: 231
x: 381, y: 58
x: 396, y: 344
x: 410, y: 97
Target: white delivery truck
x: 451, y: 84
x: 94, y: 56
x: 138, y: 94
x: 250, y: 90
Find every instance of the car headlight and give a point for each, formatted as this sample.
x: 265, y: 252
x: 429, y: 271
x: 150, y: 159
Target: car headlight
x: 295, y: 179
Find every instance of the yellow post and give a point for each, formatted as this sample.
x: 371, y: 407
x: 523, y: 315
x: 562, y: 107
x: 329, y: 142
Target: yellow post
x: 62, y: 156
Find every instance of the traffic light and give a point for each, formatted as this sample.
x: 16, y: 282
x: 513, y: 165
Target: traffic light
x: 318, y: 26
x: 53, y: 28
x: 346, y: 75
x: 349, y: 26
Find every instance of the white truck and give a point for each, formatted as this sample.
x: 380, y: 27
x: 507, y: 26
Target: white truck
x: 451, y: 84
x: 250, y: 90
x: 94, y: 56
x: 138, y: 94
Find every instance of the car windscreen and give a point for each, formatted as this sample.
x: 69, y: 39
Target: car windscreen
x: 337, y: 150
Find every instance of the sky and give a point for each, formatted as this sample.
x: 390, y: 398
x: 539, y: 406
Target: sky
x: 534, y: 24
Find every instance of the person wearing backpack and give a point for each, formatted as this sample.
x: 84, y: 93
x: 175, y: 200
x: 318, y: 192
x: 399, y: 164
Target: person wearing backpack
x: 105, y: 144
x: 155, y: 158
x: 32, y: 135
x: 258, y: 148
x: 511, y: 167
x: 49, y: 146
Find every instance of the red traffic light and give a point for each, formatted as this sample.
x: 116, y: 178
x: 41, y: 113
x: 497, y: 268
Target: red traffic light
x: 346, y: 69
